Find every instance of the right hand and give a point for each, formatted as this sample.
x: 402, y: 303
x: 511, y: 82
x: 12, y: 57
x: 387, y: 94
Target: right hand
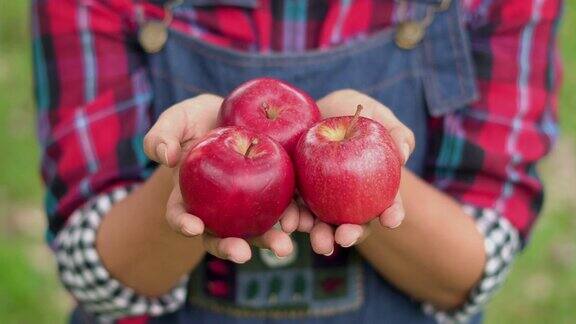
x: 343, y: 103
x: 175, y: 132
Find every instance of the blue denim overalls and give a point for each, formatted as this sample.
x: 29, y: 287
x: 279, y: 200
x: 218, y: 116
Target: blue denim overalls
x: 434, y: 78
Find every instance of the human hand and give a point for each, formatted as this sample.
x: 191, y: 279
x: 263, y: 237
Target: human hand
x: 344, y: 103
x: 177, y: 130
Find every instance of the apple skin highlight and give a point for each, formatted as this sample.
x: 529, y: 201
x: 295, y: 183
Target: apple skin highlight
x: 237, y: 181
x: 347, y: 176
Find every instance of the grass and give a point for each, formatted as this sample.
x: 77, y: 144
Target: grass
x: 30, y: 292
x: 541, y: 288
x: 19, y: 150
x: 568, y: 46
x: 27, y: 291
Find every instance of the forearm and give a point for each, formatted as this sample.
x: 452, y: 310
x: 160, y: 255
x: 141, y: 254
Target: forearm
x: 138, y: 247
x: 436, y: 255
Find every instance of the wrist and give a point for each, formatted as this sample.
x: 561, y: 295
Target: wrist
x: 134, y: 238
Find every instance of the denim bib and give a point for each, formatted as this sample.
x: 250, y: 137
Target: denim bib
x: 433, y: 79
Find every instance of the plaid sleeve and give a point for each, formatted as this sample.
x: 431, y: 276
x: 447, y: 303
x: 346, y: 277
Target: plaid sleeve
x: 485, y: 155
x: 93, y: 100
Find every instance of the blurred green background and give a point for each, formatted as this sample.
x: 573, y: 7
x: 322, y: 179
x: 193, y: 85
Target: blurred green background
x: 541, y: 288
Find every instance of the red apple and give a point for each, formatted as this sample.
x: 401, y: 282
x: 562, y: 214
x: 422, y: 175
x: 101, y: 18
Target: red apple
x: 237, y: 181
x: 271, y: 107
x: 347, y: 169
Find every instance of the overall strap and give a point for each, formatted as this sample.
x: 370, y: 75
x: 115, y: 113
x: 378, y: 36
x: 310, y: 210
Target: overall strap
x: 447, y: 66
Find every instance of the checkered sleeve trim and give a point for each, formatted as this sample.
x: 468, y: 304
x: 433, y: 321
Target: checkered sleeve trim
x: 83, y: 274
x: 501, y: 243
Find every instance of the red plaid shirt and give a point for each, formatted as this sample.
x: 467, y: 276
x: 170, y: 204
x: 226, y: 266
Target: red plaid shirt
x: 94, y: 98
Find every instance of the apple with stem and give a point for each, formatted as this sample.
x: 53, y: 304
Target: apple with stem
x: 271, y: 107
x: 237, y: 181
x: 347, y: 169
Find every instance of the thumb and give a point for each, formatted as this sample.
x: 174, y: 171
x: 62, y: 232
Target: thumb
x: 162, y: 142
x: 179, y: 126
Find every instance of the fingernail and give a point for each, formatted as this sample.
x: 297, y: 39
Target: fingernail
x: 350, y: 244
x: 280, y: 257
x: 395, y: 225
x: 397, y: 221
x: 405, y: 151
x: 237, y: 261
x: 162, y: 152
x: 187, y: 230
x: 330, y: 253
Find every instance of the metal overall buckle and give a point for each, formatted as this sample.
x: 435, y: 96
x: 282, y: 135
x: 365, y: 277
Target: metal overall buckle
x: 153, y: 34
x: 410, y: 33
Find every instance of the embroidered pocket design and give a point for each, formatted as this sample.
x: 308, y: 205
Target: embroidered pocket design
x: 303, y: 284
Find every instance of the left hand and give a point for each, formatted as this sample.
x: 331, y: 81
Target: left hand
x: 175, y: 132
x: 343, y: 103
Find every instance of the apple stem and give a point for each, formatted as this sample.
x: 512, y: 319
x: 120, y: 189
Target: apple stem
x: 253, y: 142
x: 354, y: 121
x: 270, y: 113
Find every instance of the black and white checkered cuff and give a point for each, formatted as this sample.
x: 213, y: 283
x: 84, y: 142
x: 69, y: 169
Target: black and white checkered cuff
x: 501, y: 243
x: 83, y: 274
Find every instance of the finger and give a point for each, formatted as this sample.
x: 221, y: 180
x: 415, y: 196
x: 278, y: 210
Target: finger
x: 342, y: 102
x: 394, y: 215
x: 234, y: 249
x: 179, y: 220
x: 404, y: 140
x: 306, y: 220
x: 346, y: 100
x: 162, y: 142
x: 277, y: 241
x: 180, y: 124
x: 402, y: 135
x: 322, y: 238
x: 349, y: 234
x: 290, y: 218
x: 202, y: 113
